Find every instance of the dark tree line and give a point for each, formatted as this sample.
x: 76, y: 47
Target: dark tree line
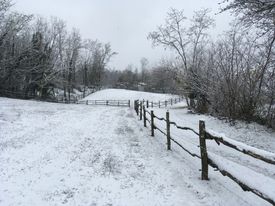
x: 38, y: 56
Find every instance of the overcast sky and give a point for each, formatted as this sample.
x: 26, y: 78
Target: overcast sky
x: 123, y: 23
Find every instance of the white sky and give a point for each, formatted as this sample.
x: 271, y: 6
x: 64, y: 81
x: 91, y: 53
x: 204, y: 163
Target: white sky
x: 123, y: 23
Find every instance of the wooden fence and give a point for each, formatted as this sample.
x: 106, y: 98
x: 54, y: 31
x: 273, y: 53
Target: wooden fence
x: 161, y: 104
x: 119, y: 103
x: 203, y: 135
x: 73, y: 99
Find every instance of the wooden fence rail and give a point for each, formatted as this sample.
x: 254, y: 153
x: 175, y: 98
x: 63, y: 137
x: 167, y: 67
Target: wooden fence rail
x: 119, y: 103
x: 203, y: 134
x: 161, y: 104
x: 221, y: 140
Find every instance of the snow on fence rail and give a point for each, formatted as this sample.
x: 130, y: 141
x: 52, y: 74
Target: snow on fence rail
x: 249, y: 180
x: 119, y: 103
x: 260, y: 185
x: 241, y: 147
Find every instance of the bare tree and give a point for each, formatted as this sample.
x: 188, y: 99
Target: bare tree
x: 59, y: 27
x: 187, y: 41
x: 259, y: 16
x: 173, y: 34
x: 73, y: 45
x: 253, y: 12
x: 39, y: 56
x: 11, y: 48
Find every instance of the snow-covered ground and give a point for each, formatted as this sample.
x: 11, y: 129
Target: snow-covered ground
x: 251, y: 134
x: 123, y: 94
x: 58, y: 154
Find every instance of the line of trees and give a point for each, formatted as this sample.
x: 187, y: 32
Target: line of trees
x: 158, y: 78
x: 232, y: 76
x: 37, y: 56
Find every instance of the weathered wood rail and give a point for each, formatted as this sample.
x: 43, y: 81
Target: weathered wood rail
x: 203, y: 135
x: 161, y: 104
x: 245, y: 150
x: 118, y: 103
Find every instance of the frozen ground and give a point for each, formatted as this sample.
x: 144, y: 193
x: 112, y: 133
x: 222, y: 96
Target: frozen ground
x: 55, y: 154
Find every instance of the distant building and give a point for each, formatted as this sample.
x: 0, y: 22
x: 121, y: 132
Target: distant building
x: 141, y: 86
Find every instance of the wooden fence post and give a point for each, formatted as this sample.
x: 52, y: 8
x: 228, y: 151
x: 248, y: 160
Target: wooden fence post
x: 87, y: 102
x: 137, y: 102
x: 165, y: 103
x: 144, y: 116
x: 135, y: 106
x: 140, y: 111
x: 152, y: 124
x: 152, y: 104
x: 129, y: 103
x: 147, y: 104
x: 168, y: 131
x: 203, y: 149
x: 171, y: 101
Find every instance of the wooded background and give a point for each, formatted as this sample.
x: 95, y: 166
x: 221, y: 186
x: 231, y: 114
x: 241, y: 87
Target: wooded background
x: 229, y: 76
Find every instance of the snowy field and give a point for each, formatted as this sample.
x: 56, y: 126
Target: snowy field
x: 58, y: 154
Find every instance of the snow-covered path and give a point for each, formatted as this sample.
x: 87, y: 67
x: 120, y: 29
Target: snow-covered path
x: 54, y: 154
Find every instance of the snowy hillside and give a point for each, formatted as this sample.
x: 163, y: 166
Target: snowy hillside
x: 123, y: 94
x: 58, y: 154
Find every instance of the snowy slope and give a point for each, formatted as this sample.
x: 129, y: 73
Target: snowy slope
x: 55, y: 154
x: 123, y: 94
